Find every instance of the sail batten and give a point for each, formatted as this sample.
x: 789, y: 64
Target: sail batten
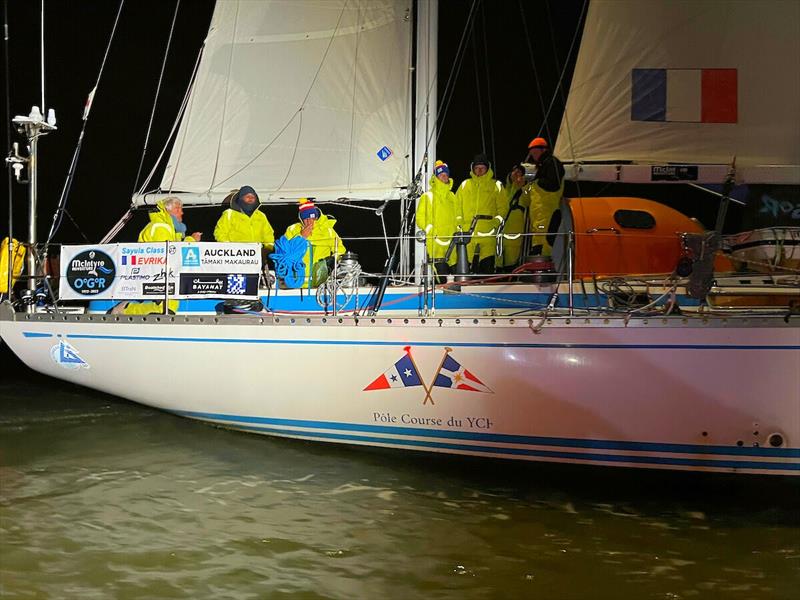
x: 310, y: 97
x: 684, y: 82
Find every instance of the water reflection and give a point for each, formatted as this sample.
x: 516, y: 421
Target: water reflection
x: 101, y: 498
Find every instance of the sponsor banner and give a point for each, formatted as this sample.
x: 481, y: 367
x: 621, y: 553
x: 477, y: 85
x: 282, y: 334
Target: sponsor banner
x: 219, y: 285
x: 216, y: 270
x: 88, y: 272
x: 140, y: 271
x: 114, y: 271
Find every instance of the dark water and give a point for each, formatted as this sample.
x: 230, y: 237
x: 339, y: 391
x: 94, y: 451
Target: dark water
x: 105, y: 499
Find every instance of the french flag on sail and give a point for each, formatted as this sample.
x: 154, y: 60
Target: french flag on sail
x: 453, y: 375
x: 684, y: 95
x: 403, y: 373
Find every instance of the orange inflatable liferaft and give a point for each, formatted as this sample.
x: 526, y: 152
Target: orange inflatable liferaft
x: 617, y: 236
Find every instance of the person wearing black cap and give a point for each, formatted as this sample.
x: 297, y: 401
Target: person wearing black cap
x: 546, y: 192
x: 481, y: 194
x: 244, y: 222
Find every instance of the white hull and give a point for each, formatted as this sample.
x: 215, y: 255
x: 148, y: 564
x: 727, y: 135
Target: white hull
x: 684, y: 394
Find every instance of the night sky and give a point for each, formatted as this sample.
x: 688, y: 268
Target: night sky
x: 76, y: 34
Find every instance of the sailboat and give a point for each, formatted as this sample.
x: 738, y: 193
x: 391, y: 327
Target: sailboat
x: 629, y: 355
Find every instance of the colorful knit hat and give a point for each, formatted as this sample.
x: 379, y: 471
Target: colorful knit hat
x: 308, y: 210
x: 441, y: 167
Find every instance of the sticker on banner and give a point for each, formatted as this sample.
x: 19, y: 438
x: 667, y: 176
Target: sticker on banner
x: 190, y: 256
x: 90, y: 272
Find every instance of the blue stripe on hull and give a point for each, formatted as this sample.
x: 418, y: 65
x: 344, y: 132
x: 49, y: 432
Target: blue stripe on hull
x: 144, y: 338
x: 258, y: 423
x: 532, y: 452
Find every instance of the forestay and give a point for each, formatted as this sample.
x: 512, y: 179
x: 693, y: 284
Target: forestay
x: 687, y: 82
x: 298, y: 98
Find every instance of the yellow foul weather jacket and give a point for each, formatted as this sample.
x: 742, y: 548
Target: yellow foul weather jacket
x: 161, y: 228
x: 480, y: 196
x: 322, y: 242
x: 436, y: 216
x: 235, y: 226
x: 516, y: 221
x: 542, y: 206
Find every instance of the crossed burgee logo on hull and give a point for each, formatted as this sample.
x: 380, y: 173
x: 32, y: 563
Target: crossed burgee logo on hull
x: 450, y: 374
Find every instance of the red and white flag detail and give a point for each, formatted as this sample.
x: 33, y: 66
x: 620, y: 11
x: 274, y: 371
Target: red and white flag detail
x: 452, y: 374
x: 401, y: 374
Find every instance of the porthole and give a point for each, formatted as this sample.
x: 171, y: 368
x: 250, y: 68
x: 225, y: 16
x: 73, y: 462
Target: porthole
x: 634, y: 219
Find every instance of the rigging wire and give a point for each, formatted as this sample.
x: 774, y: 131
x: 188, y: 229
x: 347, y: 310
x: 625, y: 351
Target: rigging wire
x: 449, y: 88
x: 478, y: 92
x: 353, y: 100
x: 535, y: 71
x: 297, y: 112
x: 7, y: 73
x: 422, y: 109
x: 488, y: 83
x: 188, y: 103
x: 225, y: 96
x: 155, y: 99
x: 559, y: 85
x: 41, y: 48
x: 181, y: 110
x: 58, y: 216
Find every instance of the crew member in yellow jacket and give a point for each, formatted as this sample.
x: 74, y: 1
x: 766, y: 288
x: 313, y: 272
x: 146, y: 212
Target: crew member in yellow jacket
x: 323, y: 241
x: 546, y: 192
x: 481, y: 194
x: 436, y: 216
x: 244, y: 221
x: 166, y: 225
x: 516, y: 200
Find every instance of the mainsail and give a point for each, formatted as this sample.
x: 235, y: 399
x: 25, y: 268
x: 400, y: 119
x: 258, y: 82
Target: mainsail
x: 298, y: 98
x: 686, y: 82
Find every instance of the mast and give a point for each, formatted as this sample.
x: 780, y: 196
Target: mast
x: 32, y: 127
x: 425, y: 112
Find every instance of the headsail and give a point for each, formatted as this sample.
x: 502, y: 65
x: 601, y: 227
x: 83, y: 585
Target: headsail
x: 687, y: 82
x: 308, y: 98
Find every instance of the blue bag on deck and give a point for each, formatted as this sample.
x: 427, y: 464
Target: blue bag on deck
x: 288, y: 259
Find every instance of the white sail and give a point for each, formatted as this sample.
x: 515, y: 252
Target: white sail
x: 298, y: 98
x: 688, y: 82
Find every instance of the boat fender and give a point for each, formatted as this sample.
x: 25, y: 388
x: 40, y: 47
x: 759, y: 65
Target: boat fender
x: 288, y: 260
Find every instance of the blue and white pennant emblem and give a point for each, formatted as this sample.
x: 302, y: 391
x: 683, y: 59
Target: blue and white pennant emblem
x: 66, y: 356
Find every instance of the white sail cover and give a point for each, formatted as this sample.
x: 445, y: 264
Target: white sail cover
x: 298, y: 98
x: 688, y: 82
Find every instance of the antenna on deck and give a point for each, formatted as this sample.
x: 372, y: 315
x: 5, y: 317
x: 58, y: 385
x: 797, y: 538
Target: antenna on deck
x: 32, y: 127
